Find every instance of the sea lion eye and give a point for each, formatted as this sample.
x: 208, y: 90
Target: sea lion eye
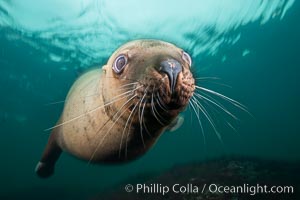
x: 119, y: 64
x: 187, y: 58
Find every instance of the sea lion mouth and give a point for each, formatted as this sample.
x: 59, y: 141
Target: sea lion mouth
x: 159, y: 90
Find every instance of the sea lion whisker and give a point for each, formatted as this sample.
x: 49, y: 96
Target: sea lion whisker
x: 100, y: 128
x: 131, y: 88
x: 232, y: 127
x: 130, y: 116
x: 164, y: 92
x: 125, y: 89
x: 107, y: 132
x: 199, y: 121
x: 232, y: 101
x: 130, y: 99
x: 211, y: 107
x: 147, y: 131
x: 153, y: 111
x: 126, y: 143
x: 210, y: 81
x: 206, y: 114
x: 219, y: 105
x: 140, y: 116
x: 191, y: 113
x: 154, y: 107
x: 161, y: 102
x: 208, y: 77
x: 53, y: 103
x: 115, y: 99
x: 134, y: 80
x: 204, y: 111
x: 127, y: 85
x: 127, y: 92
x: 158, y: 103
x: 214, y: 110
x: 63, y: 101
x: 115, y: 121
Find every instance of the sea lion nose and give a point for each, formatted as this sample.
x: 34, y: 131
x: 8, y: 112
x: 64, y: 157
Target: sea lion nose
x: 172, y: 68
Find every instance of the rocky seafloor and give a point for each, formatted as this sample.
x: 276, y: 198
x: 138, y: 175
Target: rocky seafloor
x: 254, y: 178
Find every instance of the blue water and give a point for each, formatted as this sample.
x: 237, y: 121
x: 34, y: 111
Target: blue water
x: 253, y: 46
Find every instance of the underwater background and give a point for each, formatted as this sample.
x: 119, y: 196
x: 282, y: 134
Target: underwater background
x: 250, y: 45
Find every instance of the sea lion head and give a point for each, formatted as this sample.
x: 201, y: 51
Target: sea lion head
x: 155, y: 74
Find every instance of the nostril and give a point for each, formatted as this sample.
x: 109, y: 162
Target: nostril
x: 172, y: 68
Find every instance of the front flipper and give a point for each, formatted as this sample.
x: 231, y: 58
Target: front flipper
x: 45, y: 166
x: 175, y: 124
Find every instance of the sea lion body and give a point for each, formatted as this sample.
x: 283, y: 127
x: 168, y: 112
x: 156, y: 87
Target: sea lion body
x: 82, y: 137
x: 116, y: 113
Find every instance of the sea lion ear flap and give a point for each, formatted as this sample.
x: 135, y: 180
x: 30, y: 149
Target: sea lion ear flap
x: 104, y: 68
x: 175, y: 124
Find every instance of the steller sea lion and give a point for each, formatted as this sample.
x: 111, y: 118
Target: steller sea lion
x: 116, y: 113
